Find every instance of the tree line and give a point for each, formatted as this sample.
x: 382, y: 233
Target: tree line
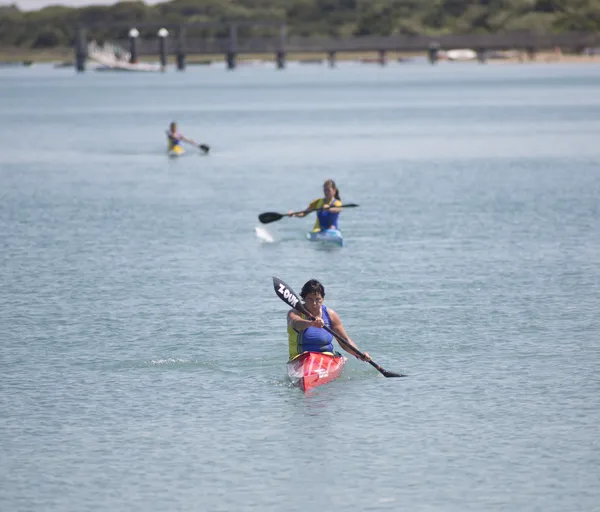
x: 55, y: 26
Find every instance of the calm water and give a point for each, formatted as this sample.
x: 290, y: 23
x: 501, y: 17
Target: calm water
x: 143, y: 348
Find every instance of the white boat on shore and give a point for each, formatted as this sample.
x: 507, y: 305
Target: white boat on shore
x: 461, y: 55
x: 109, y: 57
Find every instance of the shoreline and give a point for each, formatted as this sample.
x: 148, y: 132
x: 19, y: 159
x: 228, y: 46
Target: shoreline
x: 65, y: 55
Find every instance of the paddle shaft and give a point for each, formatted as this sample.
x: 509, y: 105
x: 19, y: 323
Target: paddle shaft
x: 310, y: 210
x: 203, y: 147
x: 343, y: 341
x: 268, y: 217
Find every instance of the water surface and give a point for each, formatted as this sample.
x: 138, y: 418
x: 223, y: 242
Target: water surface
x: 143, y: 347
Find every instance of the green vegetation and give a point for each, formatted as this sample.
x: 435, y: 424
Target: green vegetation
x: 54, y: 26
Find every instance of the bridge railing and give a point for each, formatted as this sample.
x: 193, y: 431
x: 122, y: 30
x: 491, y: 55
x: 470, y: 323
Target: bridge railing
x: 505, y: 41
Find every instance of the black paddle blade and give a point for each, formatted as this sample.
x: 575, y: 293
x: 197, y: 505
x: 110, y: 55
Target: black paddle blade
x: 267, y: 217
x: 385, y: 373
x: 204, y: 148
x: 287, y: 295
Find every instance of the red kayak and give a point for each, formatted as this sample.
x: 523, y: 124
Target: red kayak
x: 312, y: 369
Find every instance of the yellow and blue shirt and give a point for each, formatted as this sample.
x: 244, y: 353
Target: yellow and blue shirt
x: 312, y: 339
x: 325, y: 218
x: 174, y: 140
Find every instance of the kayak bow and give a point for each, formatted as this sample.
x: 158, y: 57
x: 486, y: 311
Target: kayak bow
x: 328, y: 236
x: 311, y: 369
x: 176, y: 151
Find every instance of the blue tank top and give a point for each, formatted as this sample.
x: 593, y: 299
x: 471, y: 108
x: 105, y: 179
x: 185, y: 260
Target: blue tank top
x: 175, y: 140
x: 327, y: 218
x: 315, y: 339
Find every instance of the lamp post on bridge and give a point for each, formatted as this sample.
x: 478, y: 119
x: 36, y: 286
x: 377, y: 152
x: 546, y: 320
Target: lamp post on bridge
x: 163, y: 33
x: 133, y: 35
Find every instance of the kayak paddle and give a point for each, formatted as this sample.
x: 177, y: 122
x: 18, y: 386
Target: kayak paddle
x: 268, y: 217
x: 287, y: 295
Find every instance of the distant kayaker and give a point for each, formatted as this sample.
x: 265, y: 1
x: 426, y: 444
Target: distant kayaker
x: 308, y: 335
x: 175, y: 138
x: 327, y: 208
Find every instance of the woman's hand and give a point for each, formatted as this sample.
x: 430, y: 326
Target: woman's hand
x: 366, y: 357
x: 317, y: 322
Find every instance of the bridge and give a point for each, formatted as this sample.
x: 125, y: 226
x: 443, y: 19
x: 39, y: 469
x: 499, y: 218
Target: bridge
x: 172, y: 40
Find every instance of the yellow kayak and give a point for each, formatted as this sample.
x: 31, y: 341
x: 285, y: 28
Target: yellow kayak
x: 176, y: 151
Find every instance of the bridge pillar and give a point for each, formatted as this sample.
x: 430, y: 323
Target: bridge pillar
x: 80, y: 50
x: 162, y: 47
x: 133, y: 35
x: 280, y: 55
x: 331, y: 58
x: 231, y: 56
x: 181, y: 48
x: 231, y: 60
x: 482, y: 56
x: 280, y: 59
x: 531, y: 53
x: 382, y: 57
x: 432, y: 52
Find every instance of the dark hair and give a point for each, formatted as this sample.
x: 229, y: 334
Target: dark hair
x: 331, y: 183
x: 312, y: 286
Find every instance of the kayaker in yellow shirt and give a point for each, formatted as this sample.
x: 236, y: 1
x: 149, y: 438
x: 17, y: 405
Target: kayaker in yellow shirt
x: 308, y: 335
x: 327, y: 208
x: 175, y: 138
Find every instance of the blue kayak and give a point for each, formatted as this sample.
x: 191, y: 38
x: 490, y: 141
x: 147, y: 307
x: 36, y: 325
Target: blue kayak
x: 328, y: 236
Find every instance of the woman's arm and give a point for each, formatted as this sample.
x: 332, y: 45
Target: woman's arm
x: 311, y: 206
x: 335, y: 206
x: 336, y: 325
x: 295, y: 321
x: 191, y: 141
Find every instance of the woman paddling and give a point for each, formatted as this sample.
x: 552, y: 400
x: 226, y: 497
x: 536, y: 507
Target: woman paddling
x: 307, y: 335
x: 175, y: 139
x: 328, y: 208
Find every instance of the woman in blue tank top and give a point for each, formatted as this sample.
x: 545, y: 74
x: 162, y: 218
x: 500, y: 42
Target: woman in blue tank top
x: 307, y: 335
x: 327, y: 208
